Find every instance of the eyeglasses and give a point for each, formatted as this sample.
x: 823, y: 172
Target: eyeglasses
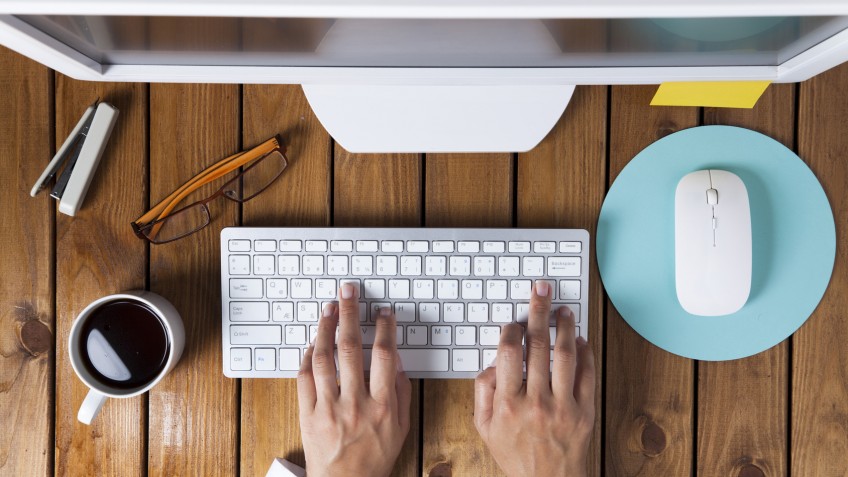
x: 265, y: 164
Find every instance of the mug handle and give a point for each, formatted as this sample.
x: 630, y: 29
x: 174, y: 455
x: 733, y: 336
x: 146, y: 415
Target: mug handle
x: 91, y: 406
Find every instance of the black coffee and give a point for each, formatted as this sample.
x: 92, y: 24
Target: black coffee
x: 124, y: 344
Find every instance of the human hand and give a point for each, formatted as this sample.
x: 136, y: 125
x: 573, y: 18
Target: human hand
x: 348, y: 427
x: 541, y: 427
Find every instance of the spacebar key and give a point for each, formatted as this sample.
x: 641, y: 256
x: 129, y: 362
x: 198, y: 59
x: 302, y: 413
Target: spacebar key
x: 424, y: 359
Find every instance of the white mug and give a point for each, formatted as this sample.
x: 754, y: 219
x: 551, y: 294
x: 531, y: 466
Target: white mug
x: 99, y: 391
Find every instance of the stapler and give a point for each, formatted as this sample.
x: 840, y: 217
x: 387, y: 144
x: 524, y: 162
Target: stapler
x: 80, y: 154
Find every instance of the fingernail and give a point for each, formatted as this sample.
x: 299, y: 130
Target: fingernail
x: 581, y: 340
x: 385, y: 311
x: 347, y: 290
x: 328, y: 310
x: 542, y: 288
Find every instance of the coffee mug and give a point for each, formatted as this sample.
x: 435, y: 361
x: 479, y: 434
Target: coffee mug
x: 122, y: 345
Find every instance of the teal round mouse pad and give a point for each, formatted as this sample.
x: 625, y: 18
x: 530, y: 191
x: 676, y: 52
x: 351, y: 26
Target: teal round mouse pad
x: 793, y: 243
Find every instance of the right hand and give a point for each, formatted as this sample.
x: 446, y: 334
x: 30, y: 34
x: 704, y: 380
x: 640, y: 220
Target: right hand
x: 542, y: 427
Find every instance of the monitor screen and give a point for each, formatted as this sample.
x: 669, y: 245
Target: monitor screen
x: 439, y: 43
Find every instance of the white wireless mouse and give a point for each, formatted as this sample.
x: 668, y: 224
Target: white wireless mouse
x: 712, y: 243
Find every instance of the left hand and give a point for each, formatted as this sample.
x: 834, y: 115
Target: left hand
x: 350, y: 427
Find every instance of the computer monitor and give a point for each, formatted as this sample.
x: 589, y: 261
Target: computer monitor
x: 431, y: 76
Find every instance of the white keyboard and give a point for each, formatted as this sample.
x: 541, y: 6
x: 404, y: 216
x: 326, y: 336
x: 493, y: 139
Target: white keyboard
x: 451, y: 290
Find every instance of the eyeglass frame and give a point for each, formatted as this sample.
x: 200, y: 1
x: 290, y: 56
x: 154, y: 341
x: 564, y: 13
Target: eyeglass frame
x: 139, y: 229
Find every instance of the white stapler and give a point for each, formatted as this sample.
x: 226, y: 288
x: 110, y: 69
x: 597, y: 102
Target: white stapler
x: 80, y: 153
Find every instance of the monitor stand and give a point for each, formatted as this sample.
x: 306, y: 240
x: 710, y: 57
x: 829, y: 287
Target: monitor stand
x: 438, y: 118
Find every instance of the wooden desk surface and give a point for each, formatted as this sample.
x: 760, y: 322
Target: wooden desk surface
x: 780, y: 412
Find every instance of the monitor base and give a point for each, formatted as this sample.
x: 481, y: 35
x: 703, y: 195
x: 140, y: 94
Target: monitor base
x: 438, y: 118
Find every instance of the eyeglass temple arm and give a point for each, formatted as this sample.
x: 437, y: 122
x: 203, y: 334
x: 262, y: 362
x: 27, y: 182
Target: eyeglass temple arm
x: 221, y: 168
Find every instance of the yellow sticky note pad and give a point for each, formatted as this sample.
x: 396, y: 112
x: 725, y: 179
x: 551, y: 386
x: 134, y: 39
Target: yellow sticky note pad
x: 719, y: 94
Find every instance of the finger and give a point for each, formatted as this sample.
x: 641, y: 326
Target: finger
x: 323, y: 364
x: 509, y: 370
x: 404, y: 395
x: 584, y: 386
x: 538, y: 340
x: 484, y: 397
x: 383, y: 358
x: 565, y: 354
x: 351, y: 374
x: 306, y: 394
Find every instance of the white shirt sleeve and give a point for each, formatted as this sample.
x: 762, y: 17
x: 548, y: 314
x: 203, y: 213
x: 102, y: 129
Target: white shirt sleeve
x: 284, y: 468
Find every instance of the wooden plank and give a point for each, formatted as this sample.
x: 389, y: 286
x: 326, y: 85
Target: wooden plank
x: 742, y: 404
x: 301, y: 197
x: 26, y: 293
x: 382, y: 190
x: 461, y: 190
x: 97, y: 254
x: 649, y: 392
x: 561, y: 184
x: 193, y: 411
x: 819, y: 425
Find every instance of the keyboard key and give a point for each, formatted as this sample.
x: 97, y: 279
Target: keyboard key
x: 255, y: 334
x: 239, y: 264
x: 313, y: 265
x: 291, y: 245
x: 276, y: 288
x: 295, y: 335
x: 490, y: 335
x: 496, y: 289
x: 245, y: 288
x: 400, y: 334
x: 508, y: 266
x: 337, y: 265
x: 472, y: 289
x: 564, y: 266
x: 484, y: 266
x: 454, y: 312
x: 363, y: 311
x: 428, y: 312
x: 440, y: 335
x: 569, y: 289
x: 448, y: 289
x: 478, y: 312
x: 368, y: 335
x: 307, y: 311
x: 265, y: 359
x: 443, y: 246
x: 460, y: 266
x: 399, y: 289
x: 325, y: 288
x: 544, y: 247
x: 376, y: 307
x: 435, y: 266
x: 301, y: 288
x: 249, y: 311
x: 361, y: 265
x: 416, y: 335
x: 263, y: 265
x: 520, y: 289
x: 466, y: 360
x: 316, y: 245
x: 288, y: 265
x: 282, y: 311
x: 354, y: 282
x: 533, y: 266
x: 468, y: 246
x: 424, y: 359
x: 405, y: 312
x: 238, y: 245
x: 289, y: 359
x: 502, y: 313
x: 422, y: 289
x: 493, y: 247
x: 489, y: 357
x: 570, y: 247
x: 341, y: 246
x: 366, y: 245
x: 519, y: 247
x: 387, y: 265
x: 265, y: 246
x: 466, y: 335
x: 410, y: 265
x: 392, y: 246
x: 240, y: 359
x: 417, y: 246
x: 374, y: 289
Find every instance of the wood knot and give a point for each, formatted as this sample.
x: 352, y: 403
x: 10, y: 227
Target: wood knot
x: 751, y: 470
x: 666, y: 128
x: 653, y: 439
x: 35, y: 337
x: 442, y: 469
